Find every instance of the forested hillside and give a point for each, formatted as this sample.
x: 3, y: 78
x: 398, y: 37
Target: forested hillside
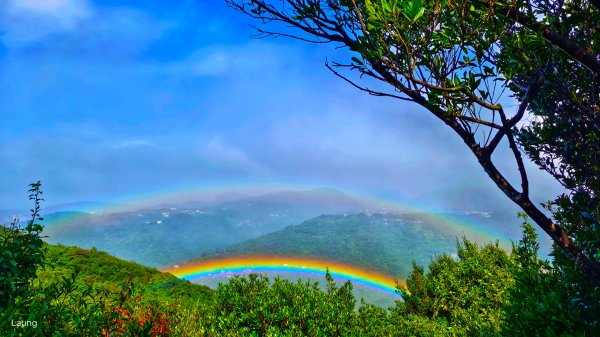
x: 163, y: 236
x: 102, y: 271
x: 387, y: 242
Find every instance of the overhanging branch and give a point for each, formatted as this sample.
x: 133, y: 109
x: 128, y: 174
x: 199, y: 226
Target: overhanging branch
x: 573, y: 49
x: 365, y: 89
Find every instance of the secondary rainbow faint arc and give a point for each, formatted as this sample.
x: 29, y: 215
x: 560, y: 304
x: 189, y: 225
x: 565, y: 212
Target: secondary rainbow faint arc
x: 294, y: 264
x: 133, y: 202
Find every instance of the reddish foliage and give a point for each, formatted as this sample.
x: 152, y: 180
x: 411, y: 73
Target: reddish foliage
x: 134, y: 318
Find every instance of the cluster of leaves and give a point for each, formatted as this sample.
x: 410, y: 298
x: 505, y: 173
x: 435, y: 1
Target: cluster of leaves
x: 543, y: 303
x: 132, y: 316
x: 67, y: 309
x: 248, y: 306
x: 21, y: 252
x: 465, y: 292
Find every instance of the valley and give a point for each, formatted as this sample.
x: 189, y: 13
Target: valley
x: 318, y: 223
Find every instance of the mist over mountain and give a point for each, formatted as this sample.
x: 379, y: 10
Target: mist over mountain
x: 163, y: 236
x: 319, y: 222
x: 77, y: 206
x: 386, y: 242
x: 322, y: 223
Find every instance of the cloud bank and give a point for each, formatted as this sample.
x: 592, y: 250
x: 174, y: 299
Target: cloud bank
x: 103, y: 100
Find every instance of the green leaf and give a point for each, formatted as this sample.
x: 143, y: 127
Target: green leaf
x: 357, y: 60
x: 416, y: 10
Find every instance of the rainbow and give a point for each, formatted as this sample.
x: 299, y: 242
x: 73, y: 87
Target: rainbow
x: 285, y: 264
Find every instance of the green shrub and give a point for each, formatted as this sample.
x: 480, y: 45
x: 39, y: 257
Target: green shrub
x: 251, y: 305
x: 466, y: 293
x: 21, y: 252
x: 549, y: 299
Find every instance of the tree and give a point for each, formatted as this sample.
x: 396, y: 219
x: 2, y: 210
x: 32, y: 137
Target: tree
x: 254, y: 306
x: 458, y: 58
x: 542, y: 302
x: 467, y: 293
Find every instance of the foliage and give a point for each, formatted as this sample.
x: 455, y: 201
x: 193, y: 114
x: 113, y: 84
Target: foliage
x: 67, y: 309
x: 21, y: 252
x: 482, y: 292
x: 103, y: 271
x: 465, y: 292
x: 545, y: 300
x: 564, y: 135
x: 69, y: 291
x: 564, y: 140
x: 92, y: 293
x: 252, y: 306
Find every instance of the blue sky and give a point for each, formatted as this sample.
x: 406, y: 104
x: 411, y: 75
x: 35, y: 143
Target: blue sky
x: 103, y: 99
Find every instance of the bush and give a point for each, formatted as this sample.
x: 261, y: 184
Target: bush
x: 462, y: 295
x: 549, y: 299
x: 248, y: 306
x: 21, y: 252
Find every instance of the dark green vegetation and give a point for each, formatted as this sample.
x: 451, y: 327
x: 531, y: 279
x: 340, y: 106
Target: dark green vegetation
x: 101, y: 270
x: 91, y: 293
x: 69, y: 291
x: 483, y: 291
x: 387, y: 241
x: 20, y: 252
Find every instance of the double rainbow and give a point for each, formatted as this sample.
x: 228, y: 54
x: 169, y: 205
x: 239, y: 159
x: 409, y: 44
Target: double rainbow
x: 285, y: 264
x: 282, y: 264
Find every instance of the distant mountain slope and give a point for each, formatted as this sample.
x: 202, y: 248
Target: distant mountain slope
x: 384, y: 242
x: 166, y: 236
x: 102, y: 270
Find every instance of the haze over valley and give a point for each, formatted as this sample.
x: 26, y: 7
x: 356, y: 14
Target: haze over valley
x: 314, y: 223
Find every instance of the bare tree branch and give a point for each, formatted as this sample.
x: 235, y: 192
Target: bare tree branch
x: 509, y: 124
x: 369, y: 91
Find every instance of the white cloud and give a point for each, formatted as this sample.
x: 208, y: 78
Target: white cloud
x: 220, y: 153
x: 217, y: 60
x: 131, y: 143
x: 212, y: 63
x: 47, y: 6
x: 29, y: 20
